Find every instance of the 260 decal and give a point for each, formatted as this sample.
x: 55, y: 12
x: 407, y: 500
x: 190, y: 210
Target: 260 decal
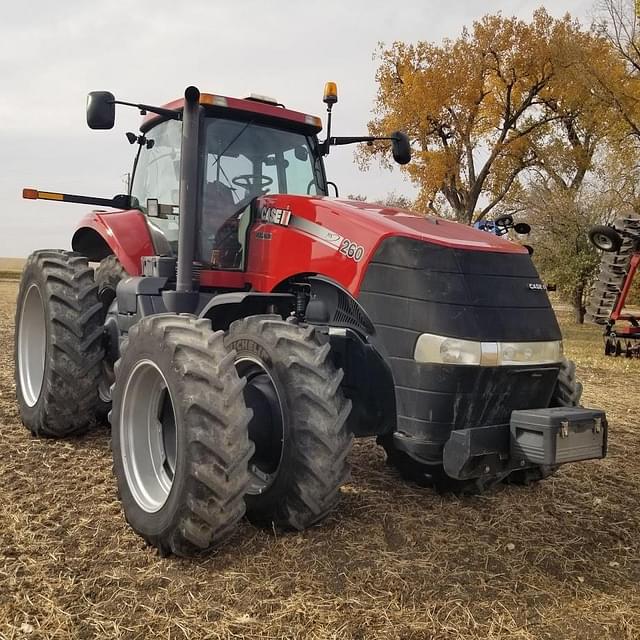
x: 351, y: 249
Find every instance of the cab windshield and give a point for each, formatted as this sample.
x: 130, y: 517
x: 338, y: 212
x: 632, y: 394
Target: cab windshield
x: 245, y: 160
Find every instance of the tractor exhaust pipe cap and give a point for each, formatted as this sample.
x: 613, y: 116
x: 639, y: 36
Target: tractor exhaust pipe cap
x: 192, y: 94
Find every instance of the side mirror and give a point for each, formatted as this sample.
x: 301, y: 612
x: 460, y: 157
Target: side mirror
x: 400, y: 147
x: 101, y: 110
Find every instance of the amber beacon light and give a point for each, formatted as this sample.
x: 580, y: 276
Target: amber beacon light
x: 330, y: 93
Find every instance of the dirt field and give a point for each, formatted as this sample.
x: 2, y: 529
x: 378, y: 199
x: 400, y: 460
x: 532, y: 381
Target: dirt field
x: 560, y: 560
x: 10, y: 268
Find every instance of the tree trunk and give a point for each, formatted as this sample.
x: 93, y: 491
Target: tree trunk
x: 578, y: 306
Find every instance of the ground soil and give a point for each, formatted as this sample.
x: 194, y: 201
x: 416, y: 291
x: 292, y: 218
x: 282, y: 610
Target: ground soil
x: 557, y: 560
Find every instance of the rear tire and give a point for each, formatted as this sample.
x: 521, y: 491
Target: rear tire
x: 58, y: 344
x: 299, y: 424
x: 568, y: 389
x: 107, y: 276
x: 180, y: 439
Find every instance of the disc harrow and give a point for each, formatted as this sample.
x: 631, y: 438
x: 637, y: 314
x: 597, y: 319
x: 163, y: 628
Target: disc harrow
x: 620, y: 243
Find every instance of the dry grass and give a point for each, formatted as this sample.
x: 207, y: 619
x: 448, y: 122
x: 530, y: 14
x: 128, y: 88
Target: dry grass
x: 394, y: 561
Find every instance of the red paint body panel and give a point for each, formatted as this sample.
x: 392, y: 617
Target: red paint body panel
x: 127, y: 234
x: 223, y: 279
x: 291, y: 251
x: 616, y: 314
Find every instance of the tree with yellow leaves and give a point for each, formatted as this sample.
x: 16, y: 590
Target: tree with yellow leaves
x: 505, y: 98
x: 619, y: 88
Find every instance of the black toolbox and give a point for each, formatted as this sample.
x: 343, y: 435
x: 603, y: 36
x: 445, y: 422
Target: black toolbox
x: 557, y: 435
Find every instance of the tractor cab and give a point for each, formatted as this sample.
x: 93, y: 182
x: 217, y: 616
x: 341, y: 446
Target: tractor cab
x: 248, y: 148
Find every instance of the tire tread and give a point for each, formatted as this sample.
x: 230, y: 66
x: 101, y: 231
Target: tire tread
x: 70, y: 388
x: 318, y: 414
x: 217, y: 442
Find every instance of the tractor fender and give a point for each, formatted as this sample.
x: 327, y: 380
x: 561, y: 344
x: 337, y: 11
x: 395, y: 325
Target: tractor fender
x: 124, y: 234
x: 356, y: 349
x: 341, y: 308
x: 224, y: 308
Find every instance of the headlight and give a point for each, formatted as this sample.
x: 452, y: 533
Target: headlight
x: 454, y: 351
x: 445, y: 350
x: 529, y: 352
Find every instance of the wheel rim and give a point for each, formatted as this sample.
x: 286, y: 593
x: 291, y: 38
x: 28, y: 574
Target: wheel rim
x: 603, y: 242
x: 32, y: 345
x: 148, y: 436
x: 266, y: 429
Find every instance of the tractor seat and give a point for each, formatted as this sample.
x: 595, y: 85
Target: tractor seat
x: 218, y: 208
x: 217, y: 201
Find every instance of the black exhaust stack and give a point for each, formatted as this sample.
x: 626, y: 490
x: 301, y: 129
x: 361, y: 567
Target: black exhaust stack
x: 184, y: 299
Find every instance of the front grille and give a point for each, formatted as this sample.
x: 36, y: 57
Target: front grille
x: 416, y: 287
x: 412, y: 287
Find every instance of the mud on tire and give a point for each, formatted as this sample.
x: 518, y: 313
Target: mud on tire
x: 291, y: 374
x: 58, y: 345
x: 184, y: 494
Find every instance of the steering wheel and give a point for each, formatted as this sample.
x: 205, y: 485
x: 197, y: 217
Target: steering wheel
x: 248, y: 181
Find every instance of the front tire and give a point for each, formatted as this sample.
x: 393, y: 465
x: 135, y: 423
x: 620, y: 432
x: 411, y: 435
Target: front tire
x: 429, y: 475
x: 299, y: 424
x: 58, y: 344
x: 180, y: 439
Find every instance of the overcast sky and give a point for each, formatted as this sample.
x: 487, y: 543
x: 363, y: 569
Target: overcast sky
x: 53, y: 53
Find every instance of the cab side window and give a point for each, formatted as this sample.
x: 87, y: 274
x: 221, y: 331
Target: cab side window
x: 157, y: 177
x: 300, y: 172
x: 158, y: 172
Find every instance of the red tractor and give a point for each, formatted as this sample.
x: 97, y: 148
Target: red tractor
x: 242, y: 326
x: 620, y: 243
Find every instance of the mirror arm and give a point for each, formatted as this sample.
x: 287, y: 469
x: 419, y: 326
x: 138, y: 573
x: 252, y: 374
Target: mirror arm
x: 354, y: 139
x: 167, y: 113
x: 339, y: 140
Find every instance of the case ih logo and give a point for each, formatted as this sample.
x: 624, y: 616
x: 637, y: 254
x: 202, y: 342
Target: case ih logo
x: 536, y: 286
x: 275, y: 216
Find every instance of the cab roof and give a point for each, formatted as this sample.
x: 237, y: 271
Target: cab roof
x: 219, y: 104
